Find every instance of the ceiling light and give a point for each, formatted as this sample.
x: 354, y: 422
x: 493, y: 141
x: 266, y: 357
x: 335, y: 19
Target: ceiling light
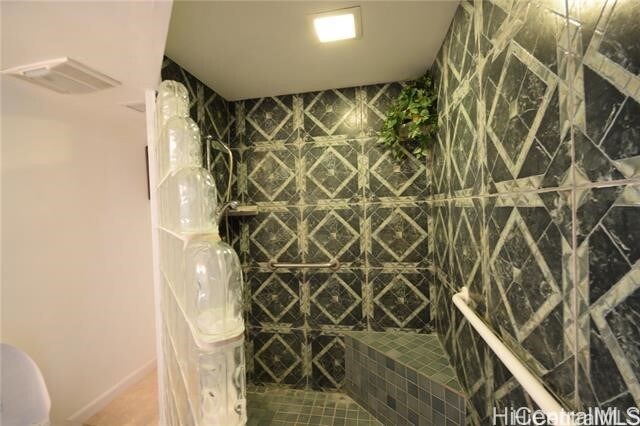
x: 337, y: 25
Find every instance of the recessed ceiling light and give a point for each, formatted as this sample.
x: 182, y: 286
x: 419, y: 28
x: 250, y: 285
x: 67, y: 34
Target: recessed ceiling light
x: 337, y: 25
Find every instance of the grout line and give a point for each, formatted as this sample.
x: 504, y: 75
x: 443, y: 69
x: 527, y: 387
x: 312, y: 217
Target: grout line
x: 339, y: 204
x: 619, y: 182
x: 574, y: 209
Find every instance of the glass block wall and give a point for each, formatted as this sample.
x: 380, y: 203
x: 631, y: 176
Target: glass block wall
x: 202, y: 364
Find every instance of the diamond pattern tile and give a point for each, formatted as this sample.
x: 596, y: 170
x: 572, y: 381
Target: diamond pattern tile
x: 467, y: 244
x: 333, y: 233
x: 619, y: 43
x: 331, y: 113
x: 440, y: 163
x: 219, y: 166
x: 518, y: 261
x: 336, y: 298
x: 310, y: 163
x: 512, y: 119
x: 460, y: 34
x: 379, y: 98
x: 441, y: 244
x: 398, y: 235
x: 465, y: 171
x: 271, y: 175
x: 270, y: 119
x: 214, y: 110
x: 331, y: 173
x: 274, y: 236
x: 275, y: 298
x: 327, y: 361
x: 608, y: 145
x: 277, y: 358
x: 400, y: 298
x: 394, y: 179
x: 609, y: 218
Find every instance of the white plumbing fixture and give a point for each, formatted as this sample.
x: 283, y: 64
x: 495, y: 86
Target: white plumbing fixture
x: 24, y: 399
x: 530, y: 383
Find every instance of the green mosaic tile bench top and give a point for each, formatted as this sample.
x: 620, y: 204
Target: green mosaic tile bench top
x: 280, y: 406
x: 420, y: 352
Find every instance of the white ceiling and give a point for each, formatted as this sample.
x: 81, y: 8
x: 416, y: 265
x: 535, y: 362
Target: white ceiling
x: 122, y: 39
x: 253, y: 49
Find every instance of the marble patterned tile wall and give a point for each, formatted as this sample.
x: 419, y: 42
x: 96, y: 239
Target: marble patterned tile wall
x: 535, y: 202
x: 327, y: 191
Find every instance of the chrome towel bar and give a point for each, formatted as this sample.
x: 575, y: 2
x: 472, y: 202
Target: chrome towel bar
x: 334, y: 264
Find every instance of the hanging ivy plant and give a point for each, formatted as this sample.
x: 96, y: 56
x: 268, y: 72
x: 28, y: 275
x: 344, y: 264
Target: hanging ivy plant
x: 412, y: 120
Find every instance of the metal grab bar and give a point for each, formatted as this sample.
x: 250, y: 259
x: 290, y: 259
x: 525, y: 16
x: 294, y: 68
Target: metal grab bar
x: 334, y: 264
x: 555, y: 413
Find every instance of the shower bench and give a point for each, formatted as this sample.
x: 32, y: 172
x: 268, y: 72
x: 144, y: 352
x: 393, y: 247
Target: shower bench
x: 403, y: 378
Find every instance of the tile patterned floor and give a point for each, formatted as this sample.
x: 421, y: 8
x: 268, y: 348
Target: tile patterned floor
x: 420, y: 352
x: 278, y: 406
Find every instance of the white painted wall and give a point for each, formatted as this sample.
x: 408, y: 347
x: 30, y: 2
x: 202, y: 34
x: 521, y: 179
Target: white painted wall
x: 77, y: 291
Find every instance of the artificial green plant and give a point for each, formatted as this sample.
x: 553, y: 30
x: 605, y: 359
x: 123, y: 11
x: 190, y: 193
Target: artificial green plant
x: 412, y: 120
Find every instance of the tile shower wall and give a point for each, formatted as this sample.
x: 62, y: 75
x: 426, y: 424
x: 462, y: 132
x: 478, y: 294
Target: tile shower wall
x: 327, y: 191
x: 535, y: 200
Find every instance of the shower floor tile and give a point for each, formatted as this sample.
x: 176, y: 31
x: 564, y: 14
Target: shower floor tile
x: 278, y: 406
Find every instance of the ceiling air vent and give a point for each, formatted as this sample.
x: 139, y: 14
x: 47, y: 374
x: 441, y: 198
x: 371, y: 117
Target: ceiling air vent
x: 136, y: 106
x: 63, y: 75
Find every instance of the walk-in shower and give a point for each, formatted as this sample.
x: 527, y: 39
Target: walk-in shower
x: 528, y: 200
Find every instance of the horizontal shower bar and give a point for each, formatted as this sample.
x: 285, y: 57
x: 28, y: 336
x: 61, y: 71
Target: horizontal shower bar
x: 530, y: 383
x: 334, y: 264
